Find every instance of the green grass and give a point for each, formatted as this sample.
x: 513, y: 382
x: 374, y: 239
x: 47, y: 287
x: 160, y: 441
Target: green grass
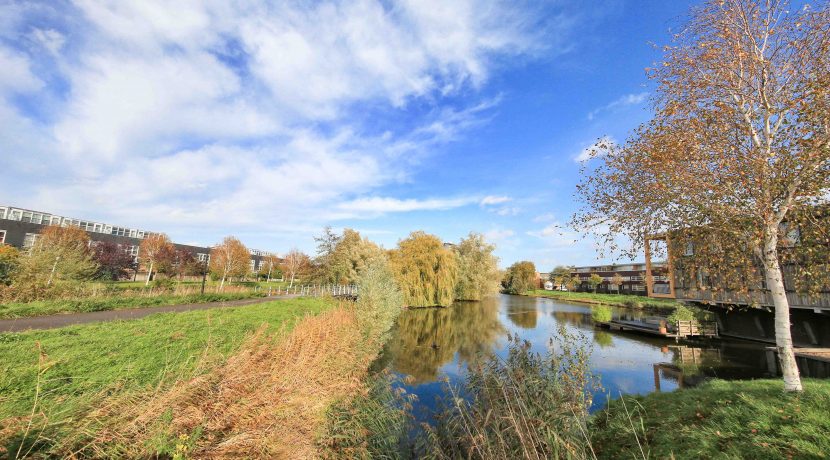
x: 84, y: 361
x: 720, y: 419
x: 51, y: 307
x: 616, y: 300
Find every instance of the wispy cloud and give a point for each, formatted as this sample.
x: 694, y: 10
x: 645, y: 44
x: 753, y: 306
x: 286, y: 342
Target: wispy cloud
x: 623, y: 101
x: 492, y: 200
x: 191, y: 115
x: 599, y: 148
x: 385, y: 205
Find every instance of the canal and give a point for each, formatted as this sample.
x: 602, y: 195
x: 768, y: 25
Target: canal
x: 434, y: 344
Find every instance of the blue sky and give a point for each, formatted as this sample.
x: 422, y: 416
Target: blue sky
x: 270, y: 120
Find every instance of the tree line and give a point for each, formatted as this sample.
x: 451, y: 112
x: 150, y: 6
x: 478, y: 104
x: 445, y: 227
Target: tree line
x: 67, y: 255
x: 427, y: 271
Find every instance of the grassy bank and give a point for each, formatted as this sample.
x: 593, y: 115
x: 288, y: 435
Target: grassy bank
x: 720, y: 419
x: 615, y: 300
x: 51, y: 307
x: 60, y: 375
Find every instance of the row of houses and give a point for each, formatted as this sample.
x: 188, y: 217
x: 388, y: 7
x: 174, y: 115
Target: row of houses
x: 21, y: 227
x: 628, y: 278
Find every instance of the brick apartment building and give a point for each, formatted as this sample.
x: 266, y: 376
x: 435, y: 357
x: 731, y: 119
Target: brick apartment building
x: 21, y: 227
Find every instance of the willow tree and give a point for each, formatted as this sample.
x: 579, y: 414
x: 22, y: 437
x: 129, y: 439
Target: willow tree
x: 228, y: 259
x: 426, y: 271
x: 736, y: 156
x: 478, y: 269
x: 352, y: 255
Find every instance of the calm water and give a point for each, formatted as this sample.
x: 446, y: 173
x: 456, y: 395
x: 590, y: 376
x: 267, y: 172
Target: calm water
x: 431, y: 344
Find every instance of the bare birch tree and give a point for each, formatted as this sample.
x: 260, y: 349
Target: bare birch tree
x: 152, y: 250
x: 228, y: 259
x: 295, y: 263
x: 736, y: 156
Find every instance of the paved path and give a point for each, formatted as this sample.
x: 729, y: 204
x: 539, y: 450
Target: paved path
x: 67, y: 319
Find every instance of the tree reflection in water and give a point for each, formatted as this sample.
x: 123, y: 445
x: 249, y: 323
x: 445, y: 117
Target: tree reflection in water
x: 523, y: 315
x: 428, y: 338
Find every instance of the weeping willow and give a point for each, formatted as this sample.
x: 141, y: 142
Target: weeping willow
x: 426, y: 271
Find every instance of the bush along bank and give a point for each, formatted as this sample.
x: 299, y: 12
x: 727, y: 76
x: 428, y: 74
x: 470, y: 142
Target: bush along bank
x: 614, y: 300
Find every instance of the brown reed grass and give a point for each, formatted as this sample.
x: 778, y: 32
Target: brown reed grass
x: 269, y: 400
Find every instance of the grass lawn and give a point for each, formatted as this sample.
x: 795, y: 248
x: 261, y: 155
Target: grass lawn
x: 720, y: 419
x: 51, y: 307
x: 77, y: 364
x: 616, y: 300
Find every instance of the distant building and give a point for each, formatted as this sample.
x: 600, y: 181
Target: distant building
x: 632, y: 276
x: 21, y: 227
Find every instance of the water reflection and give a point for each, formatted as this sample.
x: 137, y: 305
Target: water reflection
x: 431, y: 343
x: 522, y: 315
x: 428, y: 338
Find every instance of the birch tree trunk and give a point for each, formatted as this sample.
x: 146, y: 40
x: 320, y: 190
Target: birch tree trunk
x: 292, y: 281
x: 149, y: 274
x: 52, y: 273
x: 222, y: 283
x: 783, y: 333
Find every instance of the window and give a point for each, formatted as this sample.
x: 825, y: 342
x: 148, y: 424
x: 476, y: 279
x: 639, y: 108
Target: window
x: 29, y: 240
x: 3, y: 211
x: 690, y: 249
x: 2, y: 236
x: 202, y: 257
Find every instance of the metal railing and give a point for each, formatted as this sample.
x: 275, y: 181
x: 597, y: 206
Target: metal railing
x: 316, y: 290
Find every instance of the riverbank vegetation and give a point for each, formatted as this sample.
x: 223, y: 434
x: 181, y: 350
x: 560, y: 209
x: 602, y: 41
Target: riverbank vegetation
x: 527, y: 405
x: 614, y: 300
x: 719, y: 419
x: 54, y: 383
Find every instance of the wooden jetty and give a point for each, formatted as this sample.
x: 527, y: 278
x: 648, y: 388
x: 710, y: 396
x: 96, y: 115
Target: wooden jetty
x: 662, y: 328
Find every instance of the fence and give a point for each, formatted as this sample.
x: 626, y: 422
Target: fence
x: 316, y: 290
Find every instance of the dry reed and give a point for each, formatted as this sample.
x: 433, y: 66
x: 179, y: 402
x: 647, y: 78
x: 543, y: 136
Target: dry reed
x: 269, y: 400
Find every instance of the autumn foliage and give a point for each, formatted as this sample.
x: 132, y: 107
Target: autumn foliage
x: 426, y: 271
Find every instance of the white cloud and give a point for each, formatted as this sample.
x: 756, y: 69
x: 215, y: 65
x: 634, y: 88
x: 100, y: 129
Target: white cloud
x: 491, y: 200
x: 623, y: 101
x: 17, y: 74
x: 195, y: 114
x: 599, y: 148
x: 384, y: 205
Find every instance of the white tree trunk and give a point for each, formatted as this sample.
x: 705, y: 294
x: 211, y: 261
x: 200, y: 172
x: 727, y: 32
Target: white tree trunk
x: 222, y: 283
x: 292, y: 281
x: 149, y: 274
x: 54, y: 268
x: 783, y: 334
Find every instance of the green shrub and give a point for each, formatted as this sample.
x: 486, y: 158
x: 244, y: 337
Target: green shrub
x: 601, y: 314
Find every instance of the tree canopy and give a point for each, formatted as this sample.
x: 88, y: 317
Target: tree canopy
x: 520, y: 277
x: 59, y: 253
x: 478, y: 270
x: 737, y: 154
x: 425, y: 270
x: 229, y: 259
